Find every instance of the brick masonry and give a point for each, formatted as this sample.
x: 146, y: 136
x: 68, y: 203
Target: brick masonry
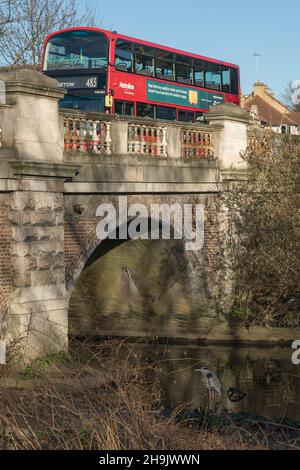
x: 5, y: 259
x: 80, y: 228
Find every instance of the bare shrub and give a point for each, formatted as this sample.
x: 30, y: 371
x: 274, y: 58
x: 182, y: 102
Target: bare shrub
x: 265, y: 211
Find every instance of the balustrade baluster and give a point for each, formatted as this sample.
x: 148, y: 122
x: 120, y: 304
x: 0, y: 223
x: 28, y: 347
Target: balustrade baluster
x: 95, y: 144
x: 130, y: 147
x: 143, y: 135
x: 67, y: 135
x: 73, y: 136
x: 153, y: 141
x: 164, y: 142
x: 85, y: 136
x: 108, y: 139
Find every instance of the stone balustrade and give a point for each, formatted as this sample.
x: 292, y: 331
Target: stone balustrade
x: 87, y: 135
x: 100, y: 134
x: 197, y: 143
x: 148, y: 139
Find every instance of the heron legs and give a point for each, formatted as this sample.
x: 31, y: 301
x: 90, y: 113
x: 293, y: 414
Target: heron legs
x: 210, y: 399
x: 213, y: 399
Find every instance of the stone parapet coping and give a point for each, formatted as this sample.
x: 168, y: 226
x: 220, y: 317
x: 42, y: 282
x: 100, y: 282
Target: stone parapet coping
x: 46, y: 169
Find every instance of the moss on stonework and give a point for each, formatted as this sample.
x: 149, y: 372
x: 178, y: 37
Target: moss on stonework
x: 43, y: 363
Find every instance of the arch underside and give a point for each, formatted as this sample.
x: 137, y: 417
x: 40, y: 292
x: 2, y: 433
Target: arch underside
x: 136, y: 287
x: 141, y: 287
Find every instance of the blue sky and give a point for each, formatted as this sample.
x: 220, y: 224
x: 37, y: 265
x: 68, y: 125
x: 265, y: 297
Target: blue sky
x: 229, y: 30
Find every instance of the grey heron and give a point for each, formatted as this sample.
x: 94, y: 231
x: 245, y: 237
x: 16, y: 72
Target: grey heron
x: 212, y: 385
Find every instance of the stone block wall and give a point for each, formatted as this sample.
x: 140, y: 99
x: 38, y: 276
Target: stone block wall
x: 37, y: 239
x: 38, y: 303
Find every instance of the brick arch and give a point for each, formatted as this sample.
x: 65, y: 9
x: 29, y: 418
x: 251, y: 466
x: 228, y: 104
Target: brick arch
x: 80, y: 242
x: 80, y: 230
x: 88, y: 242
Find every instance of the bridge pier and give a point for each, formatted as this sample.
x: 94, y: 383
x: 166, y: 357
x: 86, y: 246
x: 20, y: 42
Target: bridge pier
x: 55, y: 168
x: 33, y: 173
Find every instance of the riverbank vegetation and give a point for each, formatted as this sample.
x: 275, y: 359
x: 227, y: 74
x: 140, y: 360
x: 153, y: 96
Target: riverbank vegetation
x: 68, y: 402
x: 264, y: 209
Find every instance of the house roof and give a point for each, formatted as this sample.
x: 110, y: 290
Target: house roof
x: 295, y: 117
x: 270, y: 115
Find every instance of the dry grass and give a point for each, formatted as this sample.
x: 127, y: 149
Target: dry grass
x: 67, y: 410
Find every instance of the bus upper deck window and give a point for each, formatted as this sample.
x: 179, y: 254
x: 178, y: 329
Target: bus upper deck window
x: 184, y: 70
x: 226, y: 79
x: 199, y: 73
x: 213, y: 77
x: 234, y: 81
x: 76, y: 50
x: 164, y: 65
x: 144, y: 62
x: 124, y: 59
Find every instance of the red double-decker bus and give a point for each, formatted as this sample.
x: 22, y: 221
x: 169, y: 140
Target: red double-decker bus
x: 104, y: 71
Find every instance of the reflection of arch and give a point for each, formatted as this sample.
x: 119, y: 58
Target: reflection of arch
x: 97, y: 248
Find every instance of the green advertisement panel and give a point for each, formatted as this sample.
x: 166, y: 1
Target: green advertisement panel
x: 182, y: 96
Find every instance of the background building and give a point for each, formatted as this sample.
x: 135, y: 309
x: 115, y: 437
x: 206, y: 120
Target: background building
x: 267, y: 111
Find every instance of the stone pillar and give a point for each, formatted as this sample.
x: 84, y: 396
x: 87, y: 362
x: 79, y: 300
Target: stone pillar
x: 30, y: 123
x: 119, y: 134
x: 174, y: 143
x: 37, y: 323
x: 230, y: 123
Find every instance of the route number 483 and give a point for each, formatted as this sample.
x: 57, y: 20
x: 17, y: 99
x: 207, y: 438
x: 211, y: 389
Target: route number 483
x: 92, y: 82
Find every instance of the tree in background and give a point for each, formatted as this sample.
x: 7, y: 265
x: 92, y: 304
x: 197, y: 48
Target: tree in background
x: 6, y: 13
x: 25, y: 25
x: 291, y: 96
x: 265, y: 245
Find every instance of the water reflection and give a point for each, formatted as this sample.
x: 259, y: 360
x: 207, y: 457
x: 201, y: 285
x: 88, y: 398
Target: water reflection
x: 267, y: 376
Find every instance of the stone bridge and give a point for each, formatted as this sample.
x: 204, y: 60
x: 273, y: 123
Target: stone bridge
x: 57, y: 166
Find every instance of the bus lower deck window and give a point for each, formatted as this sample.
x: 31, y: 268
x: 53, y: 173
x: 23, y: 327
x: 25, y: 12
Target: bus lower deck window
x: 200, y: 117
x: 145, y: 110
x: 166, y: 113
x: 186, y: 116
x: 124, y: 108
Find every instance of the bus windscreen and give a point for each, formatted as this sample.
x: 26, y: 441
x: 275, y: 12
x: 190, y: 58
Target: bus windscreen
x: 77, y: 50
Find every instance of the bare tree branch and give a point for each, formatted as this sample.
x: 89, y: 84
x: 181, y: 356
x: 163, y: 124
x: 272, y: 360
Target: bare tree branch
x: 288, y: 98
x: 6, y: 13
x: 25, y: 24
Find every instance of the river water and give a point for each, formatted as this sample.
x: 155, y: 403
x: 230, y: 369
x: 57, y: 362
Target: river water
x: 266, y: 375
x: 150, y: 286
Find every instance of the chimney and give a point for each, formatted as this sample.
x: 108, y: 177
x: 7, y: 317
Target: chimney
x: 260, y: 89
